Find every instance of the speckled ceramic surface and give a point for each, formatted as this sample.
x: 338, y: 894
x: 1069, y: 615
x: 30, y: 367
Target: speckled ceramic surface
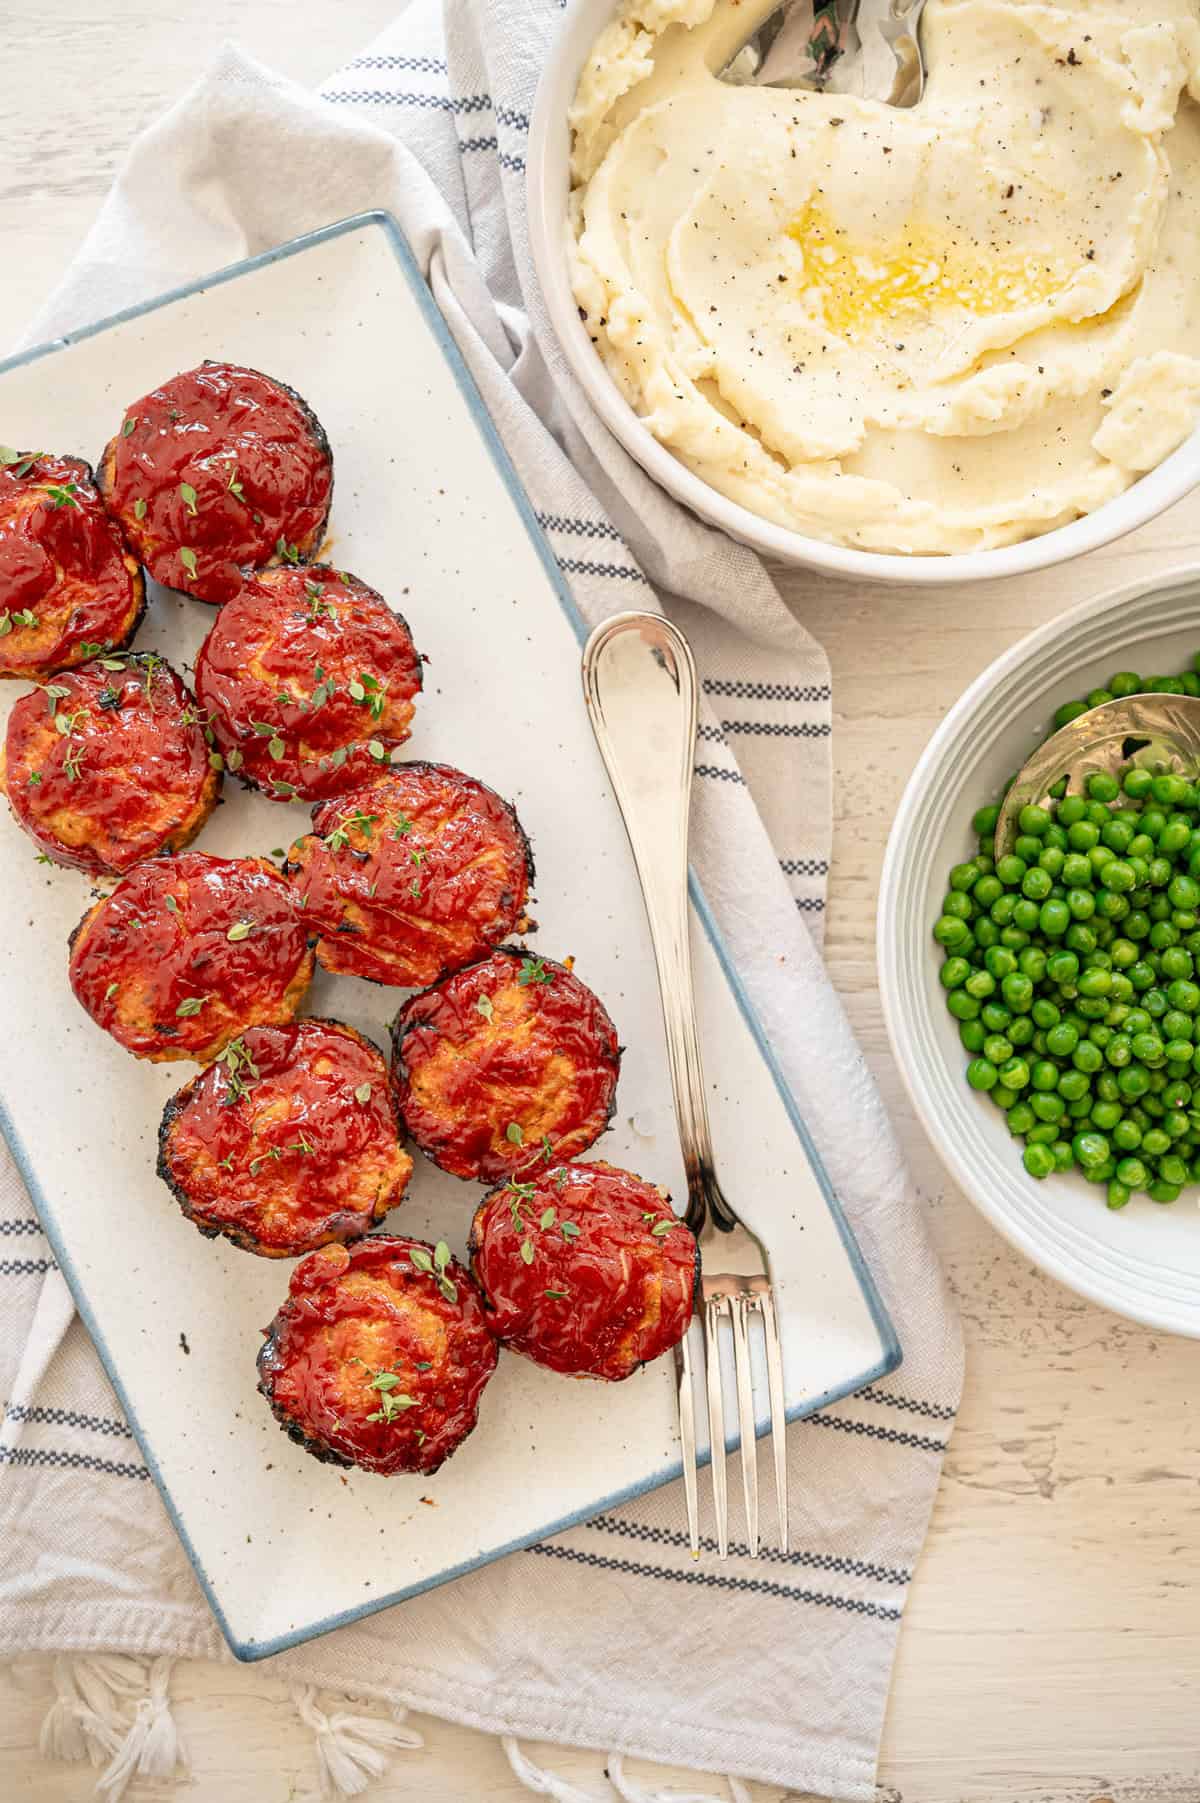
x: 427, y: 510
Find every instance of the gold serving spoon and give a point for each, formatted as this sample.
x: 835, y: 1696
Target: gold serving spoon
x: 1154, y: 732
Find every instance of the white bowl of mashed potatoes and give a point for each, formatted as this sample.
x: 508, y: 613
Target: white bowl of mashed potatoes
x: 960, y: 340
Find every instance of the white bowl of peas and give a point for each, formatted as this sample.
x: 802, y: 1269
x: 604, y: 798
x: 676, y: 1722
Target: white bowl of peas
x: 1045, y: 1011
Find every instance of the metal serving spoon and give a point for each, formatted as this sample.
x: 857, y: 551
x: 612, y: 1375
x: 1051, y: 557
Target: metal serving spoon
x: 1156, y: 732
x: 869, y: 48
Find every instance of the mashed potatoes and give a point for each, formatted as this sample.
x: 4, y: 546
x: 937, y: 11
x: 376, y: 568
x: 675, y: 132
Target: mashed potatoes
x: 926, y: 330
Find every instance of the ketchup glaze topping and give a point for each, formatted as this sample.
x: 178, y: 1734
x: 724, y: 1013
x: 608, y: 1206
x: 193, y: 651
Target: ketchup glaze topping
x: 585, y: 1269
x: 311, y: 681
x: 68, y: 586
x: 188, y: 951
x: 412, y: 875
x: 109, y: 764
x: 379, y: 1355
x: 287, y: 1141
x: 219, y: 471
x: 505, y: 1067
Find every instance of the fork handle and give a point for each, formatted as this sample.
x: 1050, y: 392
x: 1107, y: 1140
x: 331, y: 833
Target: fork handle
x: 639, y: 682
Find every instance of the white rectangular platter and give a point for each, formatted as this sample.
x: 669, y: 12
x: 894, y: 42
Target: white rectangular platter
x: 428, y: 509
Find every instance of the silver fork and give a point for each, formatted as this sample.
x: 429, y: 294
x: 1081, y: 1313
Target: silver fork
x: 639, y: 681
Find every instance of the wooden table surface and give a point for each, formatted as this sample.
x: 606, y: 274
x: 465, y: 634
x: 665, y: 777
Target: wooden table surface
x: 1051, y: 1651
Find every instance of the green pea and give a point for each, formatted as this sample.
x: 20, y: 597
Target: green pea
x: 1169, y: 791
x: 1062, y: 967
x: 1017, y: 990
x: 1047, y: 1105
x: 1103, y: 787
x: 1184, y: 995
x: 1183, y: 892
x: 1044, y: 1074
x: 1038, y: 1161
x: 1127, y: 1135
x: 1118, y: 1194
x: 1117, y: 875
x: 964, y: 876
x: 980, y: 983
x: 1134, y: 1081
x: 1020, y: 1119
x: 1137, y: 784
x: 982, y: 1074
x: 954, y: 973
x: 1091, y: 1150
x: 1119, y: 1051
x: 996, y: 1017
x: 1105, y: 1115
x: 1020, y: 1029
x: 1156, y: 1143
x: 1081, y: 903
x: 1010, y: 869
x: 1083, y: 835
x: 961, y: 1005
x: 1014, y: 1074
x: 1033, y: 819
x: 1176, y: 961
x: 972, y: 1035
x: 1163, y: 1192
x: 1037, y: 883
x: 1002, y: 1098
x: 984, y: 821
x: 1062, y: 1039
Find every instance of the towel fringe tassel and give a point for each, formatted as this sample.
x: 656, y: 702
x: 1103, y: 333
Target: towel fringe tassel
x: 544, y: 1783
x: 630, y: 1791
x: 352, y: 1750
x: 152, y: 1747
x: 90, y: 1718
x: 541, y: 1782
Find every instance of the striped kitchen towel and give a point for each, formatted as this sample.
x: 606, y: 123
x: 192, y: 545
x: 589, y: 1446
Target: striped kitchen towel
x: 607, y: 1636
